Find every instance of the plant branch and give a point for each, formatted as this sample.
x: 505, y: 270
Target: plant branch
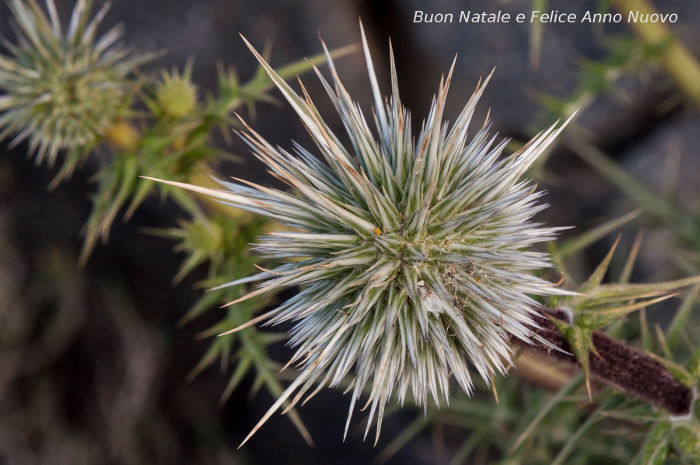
x: 629, y: 369
x: 678, y: 62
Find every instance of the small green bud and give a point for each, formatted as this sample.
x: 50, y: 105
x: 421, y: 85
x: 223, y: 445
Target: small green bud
x: 176, y: 95
x: 205, y: 237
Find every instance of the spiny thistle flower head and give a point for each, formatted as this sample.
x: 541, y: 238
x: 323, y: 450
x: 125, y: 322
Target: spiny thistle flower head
x: 411, y: 256
x: 62, y: 88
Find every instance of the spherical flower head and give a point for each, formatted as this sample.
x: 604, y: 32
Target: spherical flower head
x: 176, y: 94
x: 62, y: 88
x: 410, y: 255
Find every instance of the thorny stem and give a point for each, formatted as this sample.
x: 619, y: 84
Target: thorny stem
x: 620, y: 365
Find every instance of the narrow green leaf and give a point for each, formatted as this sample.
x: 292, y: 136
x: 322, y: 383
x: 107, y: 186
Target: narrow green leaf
x: 536, y: 32
x: 681, y: 317
x: 543, y: 411
x: 467, y: 447
x: 405, y: 436
x: 644, y: 330
x: 672, y: 163
x: 626, y: 272
x: 665, y: 350
x: 635, y: 189
x: 636, y: 291
x: 260, y: 83
x: 615, y: 330
x: 573, y: 439
x: 292, y: 70
x: 571, y: 246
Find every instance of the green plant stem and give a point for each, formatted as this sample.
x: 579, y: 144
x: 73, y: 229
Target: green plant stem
x: 629, y: 369
x: 678, y: 62
x: 124, y: 137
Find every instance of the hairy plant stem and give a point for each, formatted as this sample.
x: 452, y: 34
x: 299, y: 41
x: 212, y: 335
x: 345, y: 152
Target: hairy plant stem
x: 618, y: 364
x: 678, y: 62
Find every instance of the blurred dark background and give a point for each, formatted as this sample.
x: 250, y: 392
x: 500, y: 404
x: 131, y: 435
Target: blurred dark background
x: 92, y: 366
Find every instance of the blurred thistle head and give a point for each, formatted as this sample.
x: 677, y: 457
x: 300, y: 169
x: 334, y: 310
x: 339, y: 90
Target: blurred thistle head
x: 411, y: 255
x: 62, y: 88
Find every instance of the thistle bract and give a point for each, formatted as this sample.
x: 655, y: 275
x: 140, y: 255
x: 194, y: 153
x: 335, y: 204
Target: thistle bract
x: 62, y: 88
x: 410, y: 255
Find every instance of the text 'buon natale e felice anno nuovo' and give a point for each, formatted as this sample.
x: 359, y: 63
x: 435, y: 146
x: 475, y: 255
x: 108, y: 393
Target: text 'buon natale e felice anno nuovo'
x: 534, y: 16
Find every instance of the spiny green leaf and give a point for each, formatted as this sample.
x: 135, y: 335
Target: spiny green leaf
x: 207, y: 359
x: 205, y: 302
x: 265, y: 374
x: 116, y: 183
x: 581, y: 341
x: 143, y: 188
x: 242, y: 367
x: 599, y: 318
x: 599, y: 273
x: 616, y: 292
